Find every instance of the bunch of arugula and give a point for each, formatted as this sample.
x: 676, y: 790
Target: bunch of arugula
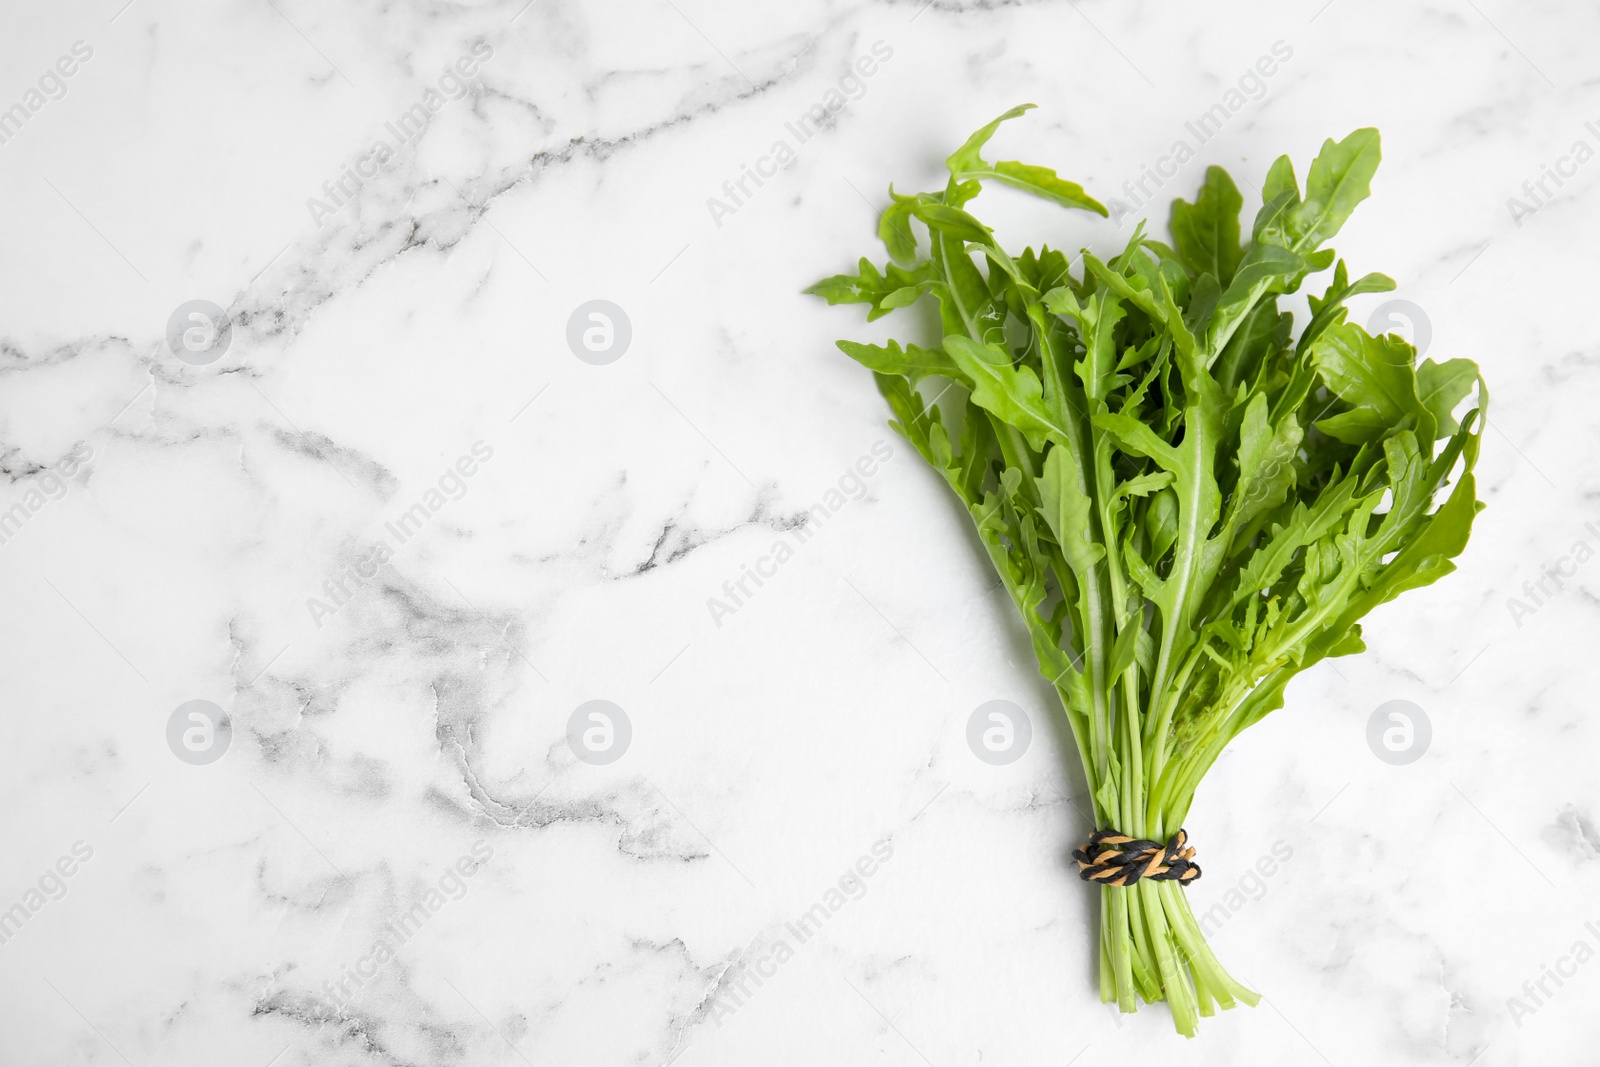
x: 1188, y: 503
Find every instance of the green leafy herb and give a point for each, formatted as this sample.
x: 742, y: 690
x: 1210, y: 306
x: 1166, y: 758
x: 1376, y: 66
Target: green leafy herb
x: 1187, y: 503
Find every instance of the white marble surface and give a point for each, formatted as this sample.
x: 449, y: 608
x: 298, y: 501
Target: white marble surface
x: 426, y: 717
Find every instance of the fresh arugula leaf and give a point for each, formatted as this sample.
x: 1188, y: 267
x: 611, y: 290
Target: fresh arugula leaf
x: 966, y: 164
x: 1012, y: 394
x: 1443, y: 386
x: 913, y: 361
x: 1374, y: 376
x: 1206, y: 232
x: 1187, y: 501
x: 1339, y: 179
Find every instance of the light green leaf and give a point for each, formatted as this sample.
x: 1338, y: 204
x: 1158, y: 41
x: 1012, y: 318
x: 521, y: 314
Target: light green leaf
x: 1266, y: 463
x: 1041, y: 181
x: 969, y: 155
x: 1134, y: 436
x: 1441, y: 386
x: 1122, y: 651
x: 1340, y: 178
x: 894, y: 227
x: 953, y: 221
x: 1206, y: 232
x: 1263, y: 268
x: 1013, y: 394
x: 967, y: 164
x: 1330, y: 311
x: 1374, y: 376
x: 912, y: 361
x: 1068, y: 511
x: 904, y: 296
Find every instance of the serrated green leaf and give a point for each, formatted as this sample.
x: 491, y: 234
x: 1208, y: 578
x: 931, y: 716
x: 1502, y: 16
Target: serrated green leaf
x: 912, y: 361
x: 1013, y: 394
x: 1042, y: 182
x: 1339, y: 179
x: 1441, y: 386
x: 894, y: 227
x: 1264, y: 268
x: 1330, y: 311
x: 1206, y: 232
x: 969, y: 155
x: 1133, y: 436
x: 1266, y: 463
x: 966, y: 164
x: 1374, y: 376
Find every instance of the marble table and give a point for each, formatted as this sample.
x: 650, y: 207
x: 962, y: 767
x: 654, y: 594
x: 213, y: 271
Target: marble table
x: 383, y: 385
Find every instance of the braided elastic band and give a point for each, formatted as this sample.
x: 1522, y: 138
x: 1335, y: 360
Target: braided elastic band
x: 1113, y: 858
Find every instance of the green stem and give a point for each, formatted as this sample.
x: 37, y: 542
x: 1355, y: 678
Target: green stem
x: 1179, y: 993
x: 1114, y: 922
